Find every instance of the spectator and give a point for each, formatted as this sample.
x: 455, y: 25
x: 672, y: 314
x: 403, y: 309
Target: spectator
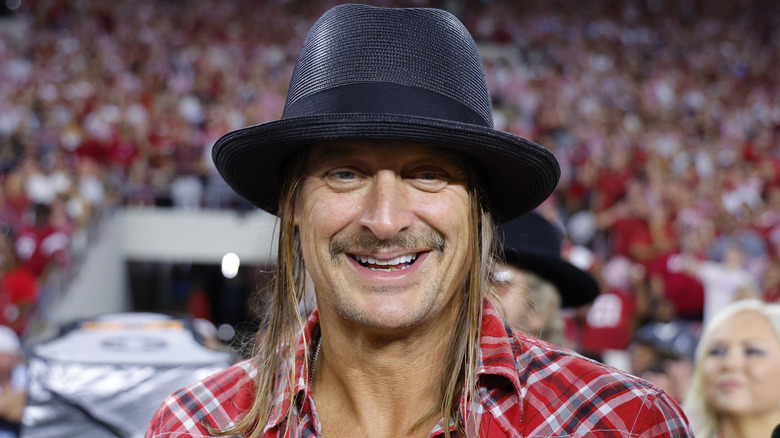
x: 683, y: 290
x: 724, y: 282
x: 611, y: 320
x: 42, y: 245
x: 771, y: 293
x: 16, y: 205
x: 10, y: 220
x: 732, y: 392
x: 673, y: 339
x: 533, y: 282
x: 13, y: 383
x: 18, y: 290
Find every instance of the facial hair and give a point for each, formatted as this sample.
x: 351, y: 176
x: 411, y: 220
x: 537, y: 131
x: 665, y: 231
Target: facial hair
x: 367, y: 242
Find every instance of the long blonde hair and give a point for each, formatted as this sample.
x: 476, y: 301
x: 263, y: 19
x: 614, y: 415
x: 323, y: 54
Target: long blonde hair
x: 275, y: 347
x: 703, y: 417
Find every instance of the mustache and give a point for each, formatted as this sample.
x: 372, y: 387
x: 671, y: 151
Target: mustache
x: 367, y: 242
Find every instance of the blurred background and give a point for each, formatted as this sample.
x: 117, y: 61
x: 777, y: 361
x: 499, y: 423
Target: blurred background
x: 664, y: 116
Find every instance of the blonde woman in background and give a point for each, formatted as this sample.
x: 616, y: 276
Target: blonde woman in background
x: 735, y: 391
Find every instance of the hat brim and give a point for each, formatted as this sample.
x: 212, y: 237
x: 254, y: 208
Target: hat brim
x: 575, y: 286
x: 519, y: 173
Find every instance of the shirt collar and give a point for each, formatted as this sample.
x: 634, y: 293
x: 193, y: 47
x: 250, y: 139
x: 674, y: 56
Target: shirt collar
x: 497, y: 350
x: 302, y: 388
x: 496, y: 358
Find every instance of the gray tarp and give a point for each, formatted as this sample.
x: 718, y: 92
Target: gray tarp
x: 107, y: 376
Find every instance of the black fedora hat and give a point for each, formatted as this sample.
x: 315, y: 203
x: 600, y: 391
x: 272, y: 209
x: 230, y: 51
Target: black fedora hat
x: 407, y: 75
x: 532, y: 243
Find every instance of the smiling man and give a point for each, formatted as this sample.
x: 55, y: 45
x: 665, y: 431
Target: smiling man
x: 387, y: 176
x: 384, y: 234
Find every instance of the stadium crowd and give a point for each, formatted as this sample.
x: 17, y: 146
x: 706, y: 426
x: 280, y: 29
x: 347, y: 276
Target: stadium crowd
x: 664, y: 116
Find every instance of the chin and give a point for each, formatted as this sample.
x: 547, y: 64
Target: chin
x: 387, y: 313
x: 394, y: 317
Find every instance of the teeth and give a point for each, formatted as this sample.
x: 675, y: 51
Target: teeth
x: 400, y: 262
x: 396, y: 261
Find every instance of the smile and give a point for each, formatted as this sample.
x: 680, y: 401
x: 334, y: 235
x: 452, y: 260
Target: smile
x: 395, y: 264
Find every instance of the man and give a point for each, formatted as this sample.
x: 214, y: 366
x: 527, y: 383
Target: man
x: 533, y: 281
x: 385, y: 171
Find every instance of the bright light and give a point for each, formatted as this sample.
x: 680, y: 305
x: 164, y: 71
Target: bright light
x: 230, y: 264
x: 225, y: 332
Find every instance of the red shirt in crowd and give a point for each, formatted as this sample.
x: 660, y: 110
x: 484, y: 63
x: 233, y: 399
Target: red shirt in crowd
x: 611, y: 185
x: 609, y: 323
x: 18, y: 293
x: 629, y: 233
x: 684, y: 290
x: 772, y: 294
x: 39, y: 246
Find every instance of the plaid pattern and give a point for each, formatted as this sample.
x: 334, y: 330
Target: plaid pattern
x: 527, y: 388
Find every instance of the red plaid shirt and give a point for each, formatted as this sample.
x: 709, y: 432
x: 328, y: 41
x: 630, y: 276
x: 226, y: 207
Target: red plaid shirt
x: 527, y: 388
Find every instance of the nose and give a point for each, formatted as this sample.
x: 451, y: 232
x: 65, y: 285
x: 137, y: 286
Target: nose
x: 385, y: 210
x: 733, y: 359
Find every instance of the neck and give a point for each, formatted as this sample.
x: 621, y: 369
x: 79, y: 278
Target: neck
x: 373, y: 383
x: 748, y: 427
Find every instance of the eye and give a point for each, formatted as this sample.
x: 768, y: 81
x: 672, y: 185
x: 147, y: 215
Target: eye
x: 429, y: 179
x: 753, y: 351
x: 717, y: 351
x: 342, y: 178
x: 344, y: 175
x: 429, y: 176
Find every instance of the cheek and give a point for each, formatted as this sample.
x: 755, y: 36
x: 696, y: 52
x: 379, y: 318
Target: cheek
x: 768, y: 371
x: 307, y: 223
x: 325, y: 213
x: 449, y: 213
x: 766, y: 392
x: 710, y: 370
x: 709, y: 366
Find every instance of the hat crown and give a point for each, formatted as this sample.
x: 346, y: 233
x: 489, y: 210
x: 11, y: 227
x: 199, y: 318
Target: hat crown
x: 420, y: 50
x: 532, y: 243
x: 392, y: 75
x: 532, y: 234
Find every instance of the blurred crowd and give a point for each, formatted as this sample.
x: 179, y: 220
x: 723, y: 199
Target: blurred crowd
x: 664, y: 116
